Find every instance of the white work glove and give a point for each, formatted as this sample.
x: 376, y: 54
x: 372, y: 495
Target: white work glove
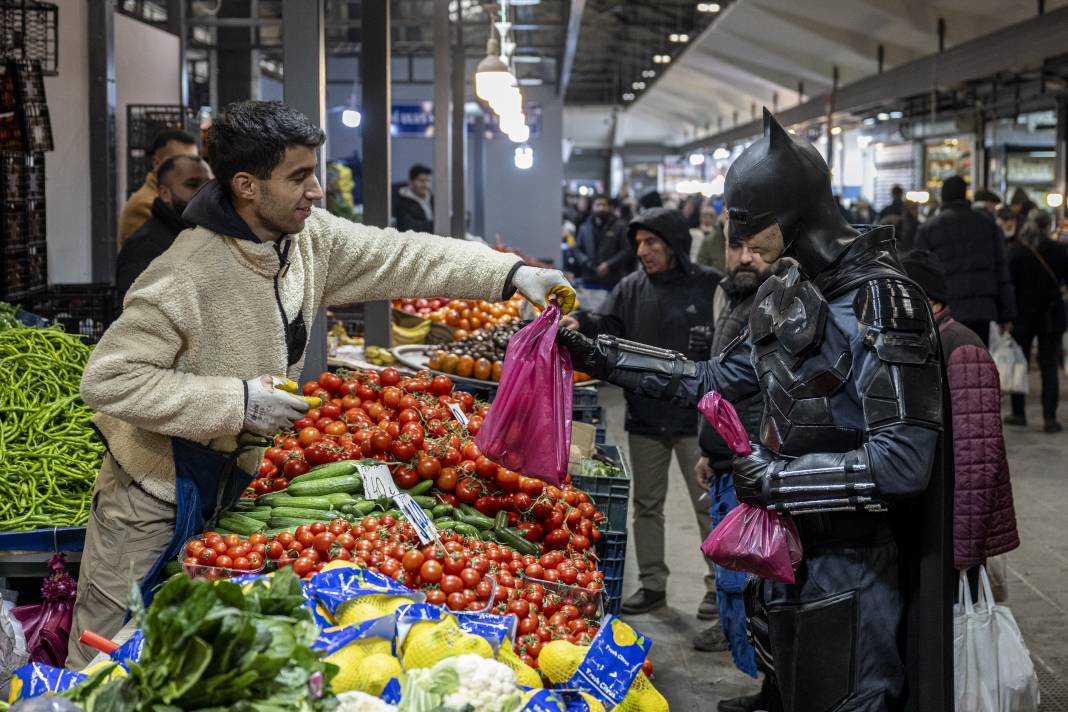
x: 538, y: 285
x: 268, y: 409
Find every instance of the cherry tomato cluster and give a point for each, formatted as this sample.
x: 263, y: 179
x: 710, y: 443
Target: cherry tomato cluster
x: 214, y: 556
x: 404, y: 422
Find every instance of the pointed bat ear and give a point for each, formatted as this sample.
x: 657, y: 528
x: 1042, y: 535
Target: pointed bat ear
x: 772, y: 128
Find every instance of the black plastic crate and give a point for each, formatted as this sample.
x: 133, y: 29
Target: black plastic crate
x: 143, y: 123
x: 612, y: 553
x: 85, y: 309
x: 37, y: 128
x: 21, y: 82
x: 29, y: 31
x: 23, y: 272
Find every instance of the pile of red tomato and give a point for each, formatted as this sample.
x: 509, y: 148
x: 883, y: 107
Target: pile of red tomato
x: 406, y: 423
x: 213, y: 556
x: 461, y: 574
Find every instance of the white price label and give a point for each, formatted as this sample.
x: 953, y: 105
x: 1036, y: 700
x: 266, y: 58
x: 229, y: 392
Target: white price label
x: 424, y: 527
x: 458, y: 413
x: 377, y: 482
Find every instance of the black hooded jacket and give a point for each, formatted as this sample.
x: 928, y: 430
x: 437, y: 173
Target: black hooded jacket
x: 658, y: 310
x: 149, y: 242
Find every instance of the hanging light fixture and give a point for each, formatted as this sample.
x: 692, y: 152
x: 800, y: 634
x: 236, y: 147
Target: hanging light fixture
x: 493, y: 79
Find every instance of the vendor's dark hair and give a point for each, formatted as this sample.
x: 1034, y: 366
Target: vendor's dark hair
x: 419, y: 170
x: 166, y: 136
x: 252, y: 137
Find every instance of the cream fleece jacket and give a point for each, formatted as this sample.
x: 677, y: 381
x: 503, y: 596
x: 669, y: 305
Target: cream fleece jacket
x: 203, y: 318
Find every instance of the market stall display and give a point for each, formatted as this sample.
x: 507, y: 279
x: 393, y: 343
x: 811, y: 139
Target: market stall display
x: 49, y: 453
x: 465, y: 316
x: 273, y: 642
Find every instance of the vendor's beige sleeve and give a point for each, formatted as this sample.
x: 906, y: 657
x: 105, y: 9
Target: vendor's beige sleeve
x: 366, y: 263
x: 132, y: 374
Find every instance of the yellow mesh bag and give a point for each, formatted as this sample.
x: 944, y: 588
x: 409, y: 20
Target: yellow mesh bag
x: 592, y: 702
x: 370, y: 675
x: 559, y: 660
x: 642, y: 697
x: 365, y: 608
x: 428, y: 643
x: 524, y: 674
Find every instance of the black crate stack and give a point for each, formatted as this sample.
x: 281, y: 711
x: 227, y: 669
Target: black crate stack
x: 143, y: 123
x: 25, y: 136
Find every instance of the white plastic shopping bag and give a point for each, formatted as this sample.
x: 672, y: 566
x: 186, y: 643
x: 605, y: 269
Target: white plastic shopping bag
x: 1010, y: 360
x: 992, y: 667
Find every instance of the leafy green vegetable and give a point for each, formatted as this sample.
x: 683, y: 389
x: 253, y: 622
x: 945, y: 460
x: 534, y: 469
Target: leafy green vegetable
x: 212, y: 646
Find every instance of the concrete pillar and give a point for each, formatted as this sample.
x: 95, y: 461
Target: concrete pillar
x: 103, y: 159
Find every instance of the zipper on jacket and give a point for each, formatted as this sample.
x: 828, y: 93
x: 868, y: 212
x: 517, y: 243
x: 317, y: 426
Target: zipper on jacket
x: 283, y: 266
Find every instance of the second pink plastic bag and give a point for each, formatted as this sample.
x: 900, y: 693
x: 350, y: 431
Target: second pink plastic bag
x: 528, y: 429
x: 757, y: 541
x: 719, y: 412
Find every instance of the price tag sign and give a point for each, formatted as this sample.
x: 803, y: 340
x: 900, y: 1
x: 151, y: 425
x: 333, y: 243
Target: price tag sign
x: 458, y: 413
x: 424, y: 527
x: 377, y: 482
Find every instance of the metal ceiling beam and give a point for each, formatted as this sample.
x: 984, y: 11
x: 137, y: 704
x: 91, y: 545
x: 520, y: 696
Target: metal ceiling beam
x: 1025, y: 45
x: 574, y: 26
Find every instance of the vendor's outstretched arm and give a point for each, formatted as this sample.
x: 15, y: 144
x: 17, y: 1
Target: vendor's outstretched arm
x: 658, y: 373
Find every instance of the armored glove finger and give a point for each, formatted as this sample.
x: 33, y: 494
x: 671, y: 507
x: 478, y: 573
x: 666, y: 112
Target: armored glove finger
x: 269, y: 409
x: 587, y: 355
x: 751, y: 475
x: 700, y: 343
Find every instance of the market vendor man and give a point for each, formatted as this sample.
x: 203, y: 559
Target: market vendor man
x: 843, y: 349
x: 184, y: 379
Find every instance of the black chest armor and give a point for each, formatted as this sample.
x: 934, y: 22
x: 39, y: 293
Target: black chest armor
x: 787, y: 327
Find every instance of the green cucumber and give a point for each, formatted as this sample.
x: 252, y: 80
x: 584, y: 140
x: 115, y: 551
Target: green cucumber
x: 477, y: 522
x: 240, y: 524
x: 289, y: 522
x: 262, y: 514
x: 475, y: 518
x: 272, y: 498
x: 442, y: 510
x: 272, y: 533
x: 419, y: 489
x: 332, y: 485
x: 327, y: 471
x: 444, y: 523
x: 501, y: 520
x: 467, y: 530
x: 307, y: 502
x: 515, y: 540
x: 429, y: 514
x: 425, y: 502
x: 321, y: 515
x: 364, y: 507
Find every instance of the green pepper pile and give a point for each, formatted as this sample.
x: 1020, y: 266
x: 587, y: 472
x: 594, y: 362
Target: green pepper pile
x: 49, y: 453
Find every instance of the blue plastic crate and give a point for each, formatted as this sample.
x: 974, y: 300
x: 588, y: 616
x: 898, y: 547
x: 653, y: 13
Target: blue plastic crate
x: 56, y: 539
x: 612, y: 552
x: 611, y: 495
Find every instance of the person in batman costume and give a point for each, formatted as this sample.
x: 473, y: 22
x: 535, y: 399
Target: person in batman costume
x: 844, y: 351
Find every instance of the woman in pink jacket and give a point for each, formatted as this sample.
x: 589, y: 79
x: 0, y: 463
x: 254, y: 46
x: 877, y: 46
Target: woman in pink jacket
x: 984, y: 520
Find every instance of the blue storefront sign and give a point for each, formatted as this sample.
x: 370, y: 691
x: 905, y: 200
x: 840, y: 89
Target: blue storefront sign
x: 413, y: 120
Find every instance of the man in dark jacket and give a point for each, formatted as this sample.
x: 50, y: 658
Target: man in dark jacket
x: 414, y: 208
x: 971, y: 249
x: 602, y: 255
x: 658, y: 305
x: 746, y: 271
x: 1039, y: 266
x: 178, y: 179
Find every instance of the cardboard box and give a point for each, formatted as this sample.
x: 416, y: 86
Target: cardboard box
x: 583, y: 444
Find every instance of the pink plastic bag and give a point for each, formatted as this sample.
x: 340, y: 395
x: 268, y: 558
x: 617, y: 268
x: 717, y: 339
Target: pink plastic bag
x: 724, y: 418
x: 47, y: 625
x: 757, y: 541
x: 528, y: 429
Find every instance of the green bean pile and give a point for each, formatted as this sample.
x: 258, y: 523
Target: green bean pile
x: 49, y: 453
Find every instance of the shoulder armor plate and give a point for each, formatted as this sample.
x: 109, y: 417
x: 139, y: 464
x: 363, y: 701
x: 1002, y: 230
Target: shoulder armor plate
x: 888, y: 303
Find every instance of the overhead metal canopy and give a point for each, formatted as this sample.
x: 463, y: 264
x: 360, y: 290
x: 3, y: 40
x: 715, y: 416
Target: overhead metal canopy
x: 780, y: 53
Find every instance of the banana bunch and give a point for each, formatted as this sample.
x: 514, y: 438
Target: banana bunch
x: 411, y: 334
x: 379, y: 356
x: 338, y: 331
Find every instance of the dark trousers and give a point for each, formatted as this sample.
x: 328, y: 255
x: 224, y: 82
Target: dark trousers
x: 1049, y: 358
x: 981, y: 329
